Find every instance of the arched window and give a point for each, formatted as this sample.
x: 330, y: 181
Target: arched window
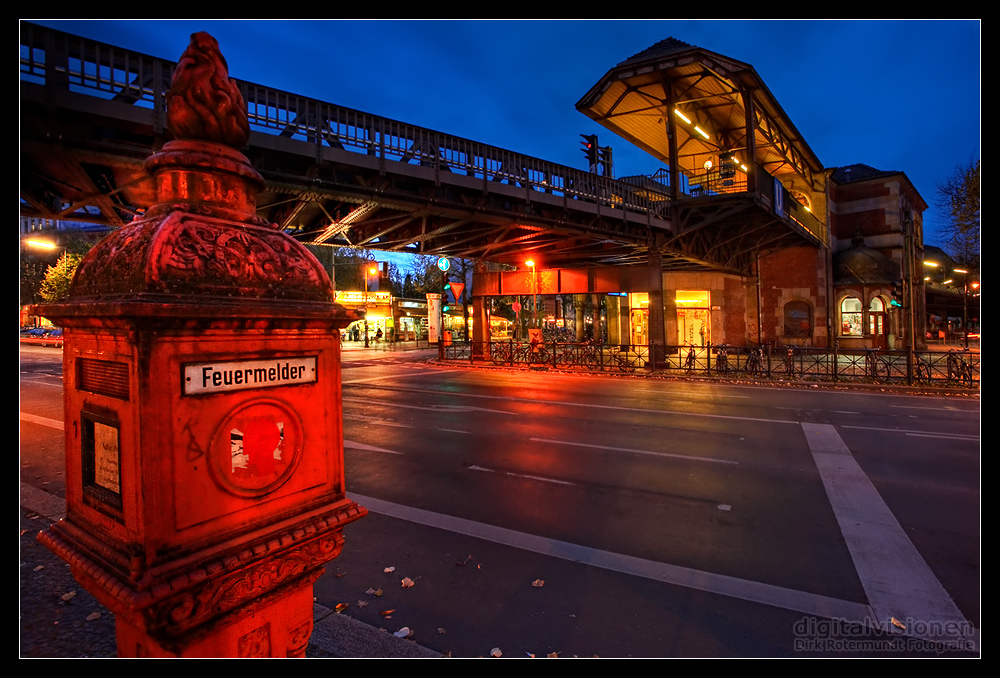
x: 851, y: 317
x: 798, y: 319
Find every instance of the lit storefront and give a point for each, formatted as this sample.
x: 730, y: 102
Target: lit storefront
x: 410, y: 319
x: 693, y: 314
x: 378, y: 307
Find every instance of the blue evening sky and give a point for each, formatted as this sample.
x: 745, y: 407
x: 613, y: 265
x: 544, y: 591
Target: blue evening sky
x: 895, y: 95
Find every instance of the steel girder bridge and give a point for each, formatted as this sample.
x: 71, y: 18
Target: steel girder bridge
x: 91, y: 113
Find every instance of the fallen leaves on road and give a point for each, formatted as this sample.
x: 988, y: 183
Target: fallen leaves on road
x: 538, y: 583
x: 93, y: 616
x: 407, y: 582
x: 389, y: 569
x: 386, y: 613
x: 898, y: 624
x: 404, y: 632
x: 340, y: 607
x: 495, y: 652
x: 68, y: 596
x: 374, y: 592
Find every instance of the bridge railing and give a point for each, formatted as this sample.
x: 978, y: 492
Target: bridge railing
x: 58, y: 59
x: 61, y: 60
x: 278, y: 112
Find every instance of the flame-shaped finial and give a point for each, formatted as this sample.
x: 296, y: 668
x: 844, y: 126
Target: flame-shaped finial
x: 203, y: 102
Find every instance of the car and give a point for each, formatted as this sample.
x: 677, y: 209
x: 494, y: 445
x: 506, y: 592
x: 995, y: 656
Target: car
x: 42, y: 336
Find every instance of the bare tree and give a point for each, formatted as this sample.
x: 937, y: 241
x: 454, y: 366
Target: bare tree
x: 959, y: 197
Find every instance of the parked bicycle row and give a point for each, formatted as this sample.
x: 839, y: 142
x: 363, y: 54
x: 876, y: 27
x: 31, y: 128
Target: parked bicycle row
x: 765, y: 362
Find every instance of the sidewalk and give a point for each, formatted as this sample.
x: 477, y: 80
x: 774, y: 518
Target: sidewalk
x: 59, y: 619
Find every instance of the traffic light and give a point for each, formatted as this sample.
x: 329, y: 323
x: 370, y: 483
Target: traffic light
x: 897, y: 294
x: 444, y: 296
x: 607, y: 162
x: 590, y: 150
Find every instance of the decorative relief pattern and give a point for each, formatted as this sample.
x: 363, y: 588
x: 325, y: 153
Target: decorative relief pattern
x: 219, y: 595
x: 192, y: 255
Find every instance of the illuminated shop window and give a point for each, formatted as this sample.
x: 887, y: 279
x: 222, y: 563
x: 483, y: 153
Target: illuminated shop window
x: 798, y: 319
x: 850, y: 317
x: 693, y: 327
x: 876, y: 318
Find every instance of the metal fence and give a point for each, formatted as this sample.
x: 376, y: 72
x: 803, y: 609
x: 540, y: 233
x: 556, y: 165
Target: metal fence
x: 951, y: 368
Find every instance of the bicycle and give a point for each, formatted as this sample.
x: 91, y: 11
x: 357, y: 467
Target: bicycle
x: 501, y: 353
x: 722, y: 359
x: 959, y: 370
x: 922, y: 371
x: 790, y: 361
x: 691, y: 361
x: 755, y: 362
x: 622, y: 361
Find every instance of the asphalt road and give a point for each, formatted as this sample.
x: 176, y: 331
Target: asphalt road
x: 537, y: 513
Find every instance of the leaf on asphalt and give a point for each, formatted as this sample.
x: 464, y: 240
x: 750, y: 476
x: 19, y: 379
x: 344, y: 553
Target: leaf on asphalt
x: 69, y: 596
x: 898, y: 624
x: 404, y: 632
x: 93, y: 616
x: 538, y: 583
x: 389, y: 569
x: 495, y: 652
x: 374, y: 592
x: 386, y: 613
x: 39, y: 567
x: 552, y: 655
x: 440, y: 631
x: 407, y: 582
x: 340, y: 607
x: 463, y: 562
x: 362, y: 603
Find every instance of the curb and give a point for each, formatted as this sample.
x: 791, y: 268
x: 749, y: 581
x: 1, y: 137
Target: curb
x: 59, y: 619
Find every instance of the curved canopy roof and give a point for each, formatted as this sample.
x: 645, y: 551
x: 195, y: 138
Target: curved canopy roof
x: 635, y: 99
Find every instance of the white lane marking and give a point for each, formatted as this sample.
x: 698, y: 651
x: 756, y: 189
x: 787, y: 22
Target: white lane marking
x: 742, y: 589
x: 957, y: 436
x: 43, y: 421
x: 523, y: 475
x: 377, y: 421
x: 634, y: 451
x: 352, y: 445
x: 600, y: 407
x: 426, y: 408
x: 895, y: 576
x: 414, y: 373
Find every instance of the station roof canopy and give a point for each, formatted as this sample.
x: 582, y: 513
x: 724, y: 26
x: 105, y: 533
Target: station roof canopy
x: 672, y: 78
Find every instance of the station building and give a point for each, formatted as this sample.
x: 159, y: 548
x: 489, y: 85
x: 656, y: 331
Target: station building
x: 768, y: 245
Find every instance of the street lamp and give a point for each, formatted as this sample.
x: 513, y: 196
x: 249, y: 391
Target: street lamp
x: 965, y: 302
x: 369, y: 269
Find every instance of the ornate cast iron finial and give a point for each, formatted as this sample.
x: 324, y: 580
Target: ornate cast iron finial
x: 203, y: 102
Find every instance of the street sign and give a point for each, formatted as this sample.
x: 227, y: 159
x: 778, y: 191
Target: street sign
x: 444, y: 264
